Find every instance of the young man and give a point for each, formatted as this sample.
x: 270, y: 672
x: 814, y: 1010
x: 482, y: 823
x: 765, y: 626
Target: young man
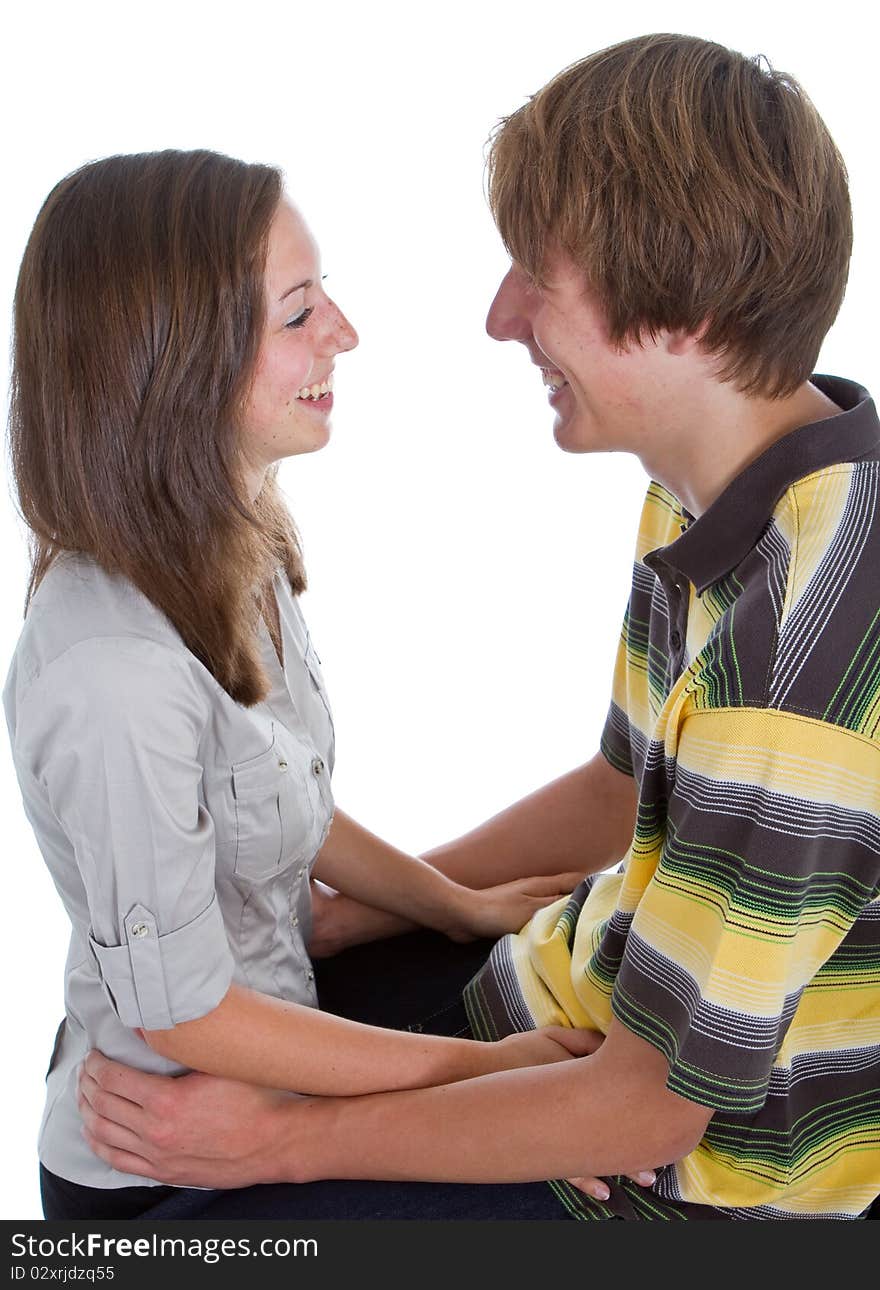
x: 679, y: 227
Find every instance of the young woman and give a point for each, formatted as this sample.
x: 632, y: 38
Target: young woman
x: 170, y: 727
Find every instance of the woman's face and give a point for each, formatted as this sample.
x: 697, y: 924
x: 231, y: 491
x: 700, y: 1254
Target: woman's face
x: 288, y: 408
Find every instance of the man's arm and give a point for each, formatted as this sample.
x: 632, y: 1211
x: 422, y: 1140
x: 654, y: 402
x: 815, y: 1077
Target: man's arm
x: 605, y: 1114
x: 578, y: 824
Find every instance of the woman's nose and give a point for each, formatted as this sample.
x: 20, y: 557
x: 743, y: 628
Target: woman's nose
x: 343, y: 334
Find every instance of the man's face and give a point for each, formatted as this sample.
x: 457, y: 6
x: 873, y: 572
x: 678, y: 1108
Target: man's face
x: 603, y: 396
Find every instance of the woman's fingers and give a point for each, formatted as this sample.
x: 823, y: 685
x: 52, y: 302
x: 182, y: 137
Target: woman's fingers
x: 599, y: 1189
x: 594, y: 1187
x: 555, y: 885
x: 577, y: 1040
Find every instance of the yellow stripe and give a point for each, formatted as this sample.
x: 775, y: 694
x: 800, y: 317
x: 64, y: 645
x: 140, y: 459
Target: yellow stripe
x: 804, y: 757
x: 824, y: 495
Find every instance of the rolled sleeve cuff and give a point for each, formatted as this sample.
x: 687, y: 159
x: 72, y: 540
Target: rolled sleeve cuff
x: 156, y: 982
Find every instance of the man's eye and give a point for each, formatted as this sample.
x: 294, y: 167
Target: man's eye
x: 301, y: 319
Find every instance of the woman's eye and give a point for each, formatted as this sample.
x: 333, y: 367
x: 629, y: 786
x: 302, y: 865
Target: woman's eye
x: 300, y: 320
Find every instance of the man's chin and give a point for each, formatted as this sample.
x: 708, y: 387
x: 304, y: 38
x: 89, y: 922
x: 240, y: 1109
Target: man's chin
x: 571, y: 436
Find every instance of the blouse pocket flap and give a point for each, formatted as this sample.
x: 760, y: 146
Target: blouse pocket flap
x: 258, y: 777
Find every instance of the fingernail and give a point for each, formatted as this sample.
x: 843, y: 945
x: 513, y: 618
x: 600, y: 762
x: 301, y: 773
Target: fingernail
x: 601, y: 1192
x: 647, y: 1177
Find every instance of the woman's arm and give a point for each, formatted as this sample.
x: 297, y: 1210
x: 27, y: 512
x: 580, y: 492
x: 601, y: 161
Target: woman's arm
x: 578, y: 824
x: 365, y: 868
x: 255, y: 1038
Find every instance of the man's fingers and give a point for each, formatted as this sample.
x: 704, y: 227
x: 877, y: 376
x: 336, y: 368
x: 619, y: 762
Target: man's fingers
x: 135, y: 1086
x: 107, y: 1132
x: 110, y: 1106
x: 126, y: 1162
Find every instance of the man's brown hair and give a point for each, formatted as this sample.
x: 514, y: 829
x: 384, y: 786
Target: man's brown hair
x: 694, y: 187
x: 138, y: 315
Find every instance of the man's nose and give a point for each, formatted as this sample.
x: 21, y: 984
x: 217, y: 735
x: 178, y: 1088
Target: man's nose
x: 507, y: 318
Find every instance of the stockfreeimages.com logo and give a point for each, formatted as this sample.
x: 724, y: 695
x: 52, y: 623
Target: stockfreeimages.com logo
x: 209, y: 1249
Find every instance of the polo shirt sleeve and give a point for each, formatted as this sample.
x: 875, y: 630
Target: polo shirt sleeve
x: 772, y: 849
x: 111, y: 729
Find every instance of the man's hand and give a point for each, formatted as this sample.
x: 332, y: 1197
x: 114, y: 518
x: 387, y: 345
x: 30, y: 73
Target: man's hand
x: 195, y: 1130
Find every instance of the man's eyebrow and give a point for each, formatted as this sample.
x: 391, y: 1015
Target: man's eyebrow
x: 299, y: 286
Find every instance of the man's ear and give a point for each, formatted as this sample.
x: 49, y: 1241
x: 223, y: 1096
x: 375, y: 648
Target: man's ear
x: 681, y: 342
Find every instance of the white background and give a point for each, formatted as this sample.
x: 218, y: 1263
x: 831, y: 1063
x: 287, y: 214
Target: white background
x: 467, y: 578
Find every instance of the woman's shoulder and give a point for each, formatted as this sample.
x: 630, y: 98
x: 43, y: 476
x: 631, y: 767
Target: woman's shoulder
x: 79, y: 605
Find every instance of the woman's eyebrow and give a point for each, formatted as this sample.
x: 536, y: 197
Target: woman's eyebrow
x: 299, y: 286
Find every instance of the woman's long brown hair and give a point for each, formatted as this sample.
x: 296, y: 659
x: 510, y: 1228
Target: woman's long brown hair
x: 138, y: 314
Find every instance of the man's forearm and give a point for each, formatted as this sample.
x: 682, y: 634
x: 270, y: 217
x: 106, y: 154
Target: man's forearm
x: 581, y: 822
x: 578, y: 824
x: 589, y: 1117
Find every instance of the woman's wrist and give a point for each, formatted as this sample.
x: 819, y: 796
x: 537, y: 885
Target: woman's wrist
x: 441, y: 903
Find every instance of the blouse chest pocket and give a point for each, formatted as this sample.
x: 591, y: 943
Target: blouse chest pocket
x: 274, y: 814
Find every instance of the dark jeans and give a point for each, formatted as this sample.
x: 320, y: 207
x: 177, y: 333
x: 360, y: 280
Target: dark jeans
x: 411, y: 982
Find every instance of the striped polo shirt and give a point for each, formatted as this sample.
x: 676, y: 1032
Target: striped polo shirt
x: 741, y: 933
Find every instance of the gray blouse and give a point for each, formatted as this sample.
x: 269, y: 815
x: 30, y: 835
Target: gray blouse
x: 179, y: 827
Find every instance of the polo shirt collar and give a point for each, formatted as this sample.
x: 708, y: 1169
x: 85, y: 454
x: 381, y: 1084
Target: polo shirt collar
x: 725, y: 533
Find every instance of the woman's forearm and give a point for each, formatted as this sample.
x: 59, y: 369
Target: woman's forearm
x: 261, y: 1040
x: 365, y: 868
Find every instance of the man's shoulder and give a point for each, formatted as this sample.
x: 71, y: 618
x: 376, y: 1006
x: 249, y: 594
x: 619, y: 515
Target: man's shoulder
x: 796, y: 625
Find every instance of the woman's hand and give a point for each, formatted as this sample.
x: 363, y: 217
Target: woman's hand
x: 493, y: 911
x: 538, y: 1047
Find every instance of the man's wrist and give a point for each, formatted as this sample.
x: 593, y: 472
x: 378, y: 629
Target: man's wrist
x: 301, y: 1151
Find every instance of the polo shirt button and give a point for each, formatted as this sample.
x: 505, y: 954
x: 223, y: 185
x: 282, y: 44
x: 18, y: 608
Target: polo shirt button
x: 675, y: 640
x: 317, y: 766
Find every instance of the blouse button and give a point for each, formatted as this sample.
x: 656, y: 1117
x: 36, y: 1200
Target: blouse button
x: 282, y: 765
x: 294, y: 921
x: 317, y: 766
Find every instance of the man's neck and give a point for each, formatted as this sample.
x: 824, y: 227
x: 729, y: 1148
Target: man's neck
x: 719, y: 437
